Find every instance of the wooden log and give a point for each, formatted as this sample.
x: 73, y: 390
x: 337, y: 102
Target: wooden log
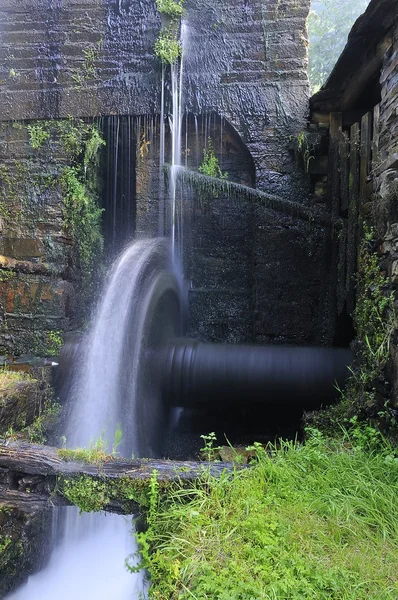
x: 32, y: 471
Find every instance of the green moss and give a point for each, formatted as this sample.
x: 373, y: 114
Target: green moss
x: 89, y: 494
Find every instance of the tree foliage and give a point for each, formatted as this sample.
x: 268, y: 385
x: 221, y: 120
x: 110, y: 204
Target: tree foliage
x: 329, y: 24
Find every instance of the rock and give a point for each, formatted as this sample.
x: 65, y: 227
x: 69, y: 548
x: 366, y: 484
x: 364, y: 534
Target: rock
x: 25, y: 543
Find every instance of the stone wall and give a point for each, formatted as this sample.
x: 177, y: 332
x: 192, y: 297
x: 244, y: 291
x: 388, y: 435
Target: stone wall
x: 245, y: 63
x: 36, y: 296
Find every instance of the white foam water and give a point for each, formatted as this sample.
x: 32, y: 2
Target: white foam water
x: 90, y: 563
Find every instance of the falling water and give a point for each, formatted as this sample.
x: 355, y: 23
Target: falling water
x: 138, y: 313
x: 161, y: 229
x: 177, y: 70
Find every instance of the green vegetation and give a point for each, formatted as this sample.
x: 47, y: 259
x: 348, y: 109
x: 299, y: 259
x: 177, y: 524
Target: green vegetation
x: 9, y: 378
x: 374, y: 320
x: 38, y: 135
x: 42, y: 424
x: 55, y: 343
x: 95, y: 454
x: 92, y: 494
x: 167, y: 47
x: 305, y: 148
x: 21, y: 185
x: 172, y: 8
x: 210, y: 165
x: 89, y: 494
x: 79, y: 184
x: 329, y: 23
x: 87, y: 69
x: 314, y: 521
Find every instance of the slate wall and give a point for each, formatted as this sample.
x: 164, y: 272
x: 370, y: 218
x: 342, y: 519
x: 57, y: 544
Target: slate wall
x: 87, y: 58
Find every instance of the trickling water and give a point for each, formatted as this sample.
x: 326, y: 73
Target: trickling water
x: 161, y: 230
x: 177, y: 70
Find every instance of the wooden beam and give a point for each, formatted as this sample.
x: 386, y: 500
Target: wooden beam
x: 376, y: 139
x: 336, y: 126
x: 31, y: 474
x: 366, y: 155
x: 353, y: 215
x: 365, y: 72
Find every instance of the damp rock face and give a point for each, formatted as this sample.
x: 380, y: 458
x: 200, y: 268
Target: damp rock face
x: 244, y: 84
x: 24, y: 542
x: 245, y: 61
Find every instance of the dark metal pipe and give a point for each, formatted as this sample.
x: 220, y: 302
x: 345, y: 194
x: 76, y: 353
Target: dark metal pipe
x: 195, y: 374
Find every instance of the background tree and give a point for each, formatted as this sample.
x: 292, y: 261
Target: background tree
x: 329, y: 23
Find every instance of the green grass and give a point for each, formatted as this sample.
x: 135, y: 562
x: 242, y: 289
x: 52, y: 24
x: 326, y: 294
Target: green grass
x: 315, y: 521
x: 8, y: 379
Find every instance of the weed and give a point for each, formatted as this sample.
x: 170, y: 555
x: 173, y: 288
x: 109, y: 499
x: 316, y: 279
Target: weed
x: 173, y: 8
x: 209, y: 450
x: 305, y: 149
x: 55, y: 342
x: 210, y: 165
x: 37, y: 432
x: 38, y: 135
x: 167, y: 48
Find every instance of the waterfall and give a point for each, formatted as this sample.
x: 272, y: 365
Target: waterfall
x: 177, y: 70
x: 139, y: 311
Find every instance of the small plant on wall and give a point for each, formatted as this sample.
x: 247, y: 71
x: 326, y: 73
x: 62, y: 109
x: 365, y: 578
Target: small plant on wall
x: 172, y: 8
x: 210, y: 165
x: 167, y: 46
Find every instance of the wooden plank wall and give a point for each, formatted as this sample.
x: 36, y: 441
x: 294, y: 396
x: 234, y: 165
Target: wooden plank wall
x: 352, y: 152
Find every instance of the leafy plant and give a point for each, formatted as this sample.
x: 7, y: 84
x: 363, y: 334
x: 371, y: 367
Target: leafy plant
x: 38, y: 135
x: 374, y: 319
x: 209, y: 450
x: 305, y: 149
x: 173, y: 8
x: 55, y: 342
x: 210, y: 165
x: 167, y: 48
x: 89, y: 494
